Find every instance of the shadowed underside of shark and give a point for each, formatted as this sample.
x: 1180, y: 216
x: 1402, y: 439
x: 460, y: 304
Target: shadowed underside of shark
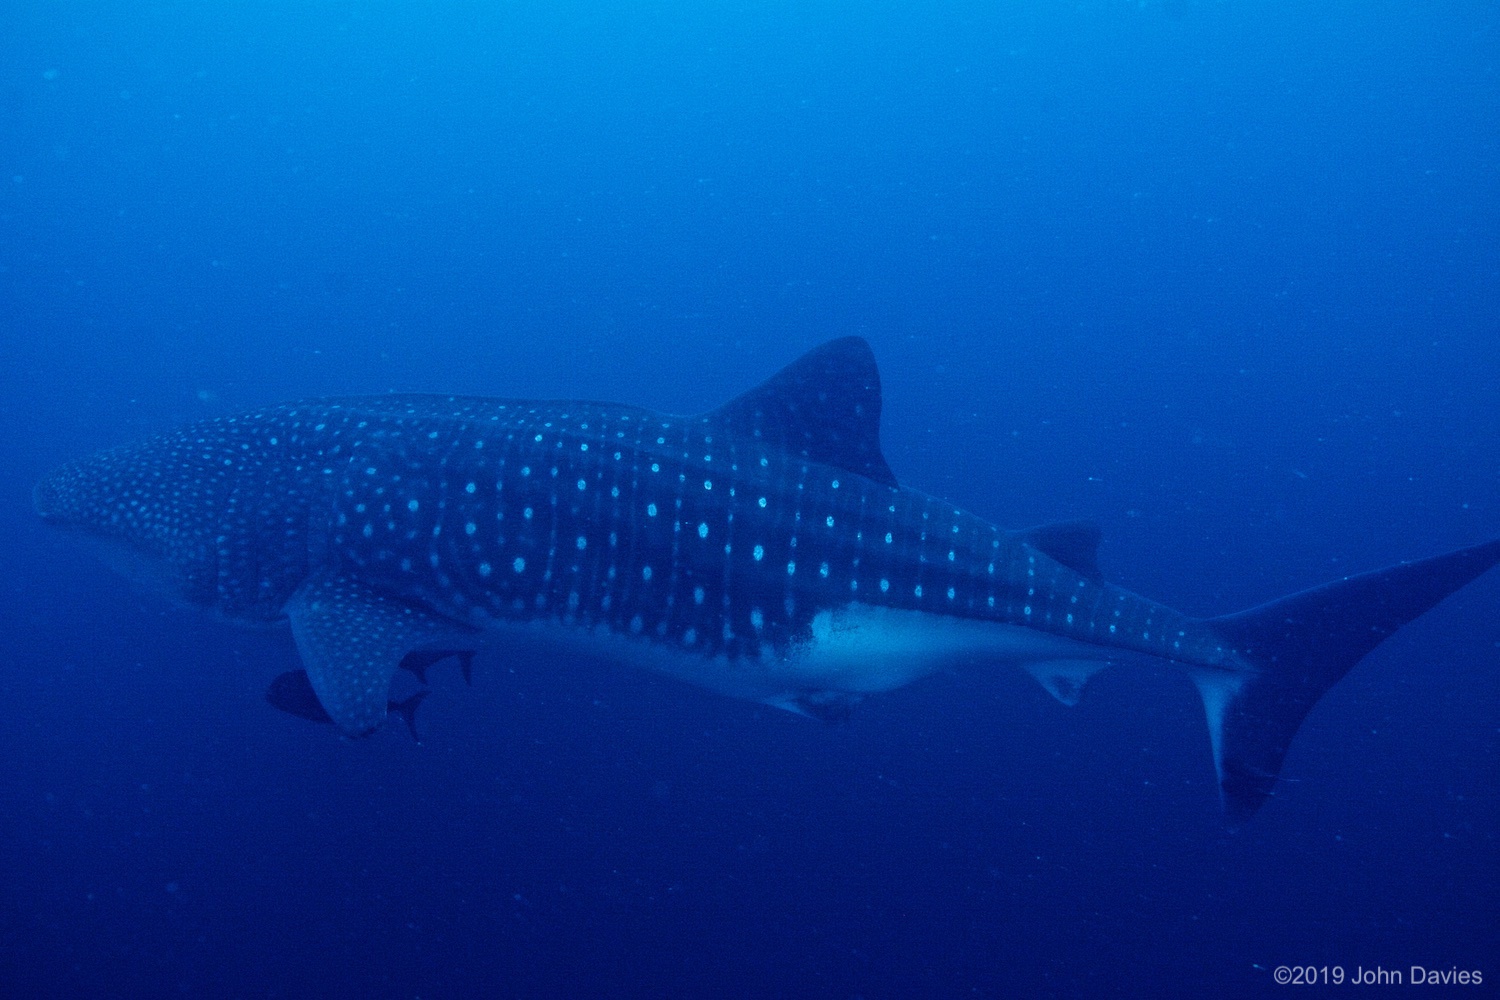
x: 763, y: 549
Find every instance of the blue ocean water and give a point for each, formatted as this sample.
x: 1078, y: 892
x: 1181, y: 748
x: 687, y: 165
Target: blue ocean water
x: 1221, y: 276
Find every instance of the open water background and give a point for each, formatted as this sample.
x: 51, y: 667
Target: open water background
x: 1221, y: 275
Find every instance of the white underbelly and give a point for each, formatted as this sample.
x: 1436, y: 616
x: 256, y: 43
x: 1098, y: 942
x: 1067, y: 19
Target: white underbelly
x: 857, y: 649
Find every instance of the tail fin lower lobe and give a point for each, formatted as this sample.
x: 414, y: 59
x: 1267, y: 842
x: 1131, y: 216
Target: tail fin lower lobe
x: 1299, y: 647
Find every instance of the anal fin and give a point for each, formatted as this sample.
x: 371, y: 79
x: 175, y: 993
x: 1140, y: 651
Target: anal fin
x: 1064, y: 679
x: 825, y: 706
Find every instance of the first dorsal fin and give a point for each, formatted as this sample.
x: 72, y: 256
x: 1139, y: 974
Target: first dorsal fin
x: 1075, y: 544
x: 824, y: 407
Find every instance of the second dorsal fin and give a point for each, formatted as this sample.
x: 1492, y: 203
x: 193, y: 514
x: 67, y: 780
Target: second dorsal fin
x: 1075, y: 544
x: 824, y: 407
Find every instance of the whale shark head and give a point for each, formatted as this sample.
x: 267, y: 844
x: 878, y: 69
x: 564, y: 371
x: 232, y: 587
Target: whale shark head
x: 207, y: 514
x: 65, y: 497
x: 136, y: 519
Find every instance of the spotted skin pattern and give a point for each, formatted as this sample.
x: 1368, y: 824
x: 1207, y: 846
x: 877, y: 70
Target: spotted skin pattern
x: 650, y: 525
x: 674, y: 529
x: 763, y: 549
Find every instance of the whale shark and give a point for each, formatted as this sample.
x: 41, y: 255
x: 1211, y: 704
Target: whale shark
x: 763, y: 549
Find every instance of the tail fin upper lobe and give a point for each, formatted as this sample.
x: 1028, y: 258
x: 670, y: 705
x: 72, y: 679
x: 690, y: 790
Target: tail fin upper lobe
x: 1299, y: 647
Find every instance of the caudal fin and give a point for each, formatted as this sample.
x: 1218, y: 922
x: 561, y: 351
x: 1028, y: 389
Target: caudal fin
x: 1299, y: 647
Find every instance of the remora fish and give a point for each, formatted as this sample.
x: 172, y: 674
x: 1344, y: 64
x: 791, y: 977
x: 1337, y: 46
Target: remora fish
x: 763, y: 549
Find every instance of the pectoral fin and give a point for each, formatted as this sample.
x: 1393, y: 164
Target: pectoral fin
x: 352, y: 640
x: 293, y: 694
x: 419, y: 660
